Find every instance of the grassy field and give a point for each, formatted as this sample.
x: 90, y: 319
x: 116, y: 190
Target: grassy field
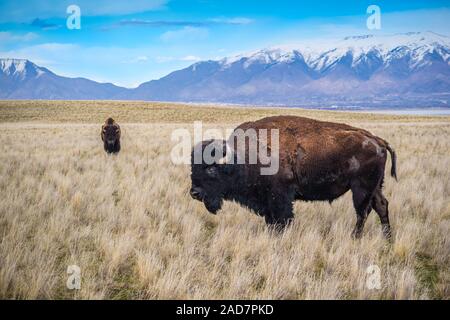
x: 130, y: 225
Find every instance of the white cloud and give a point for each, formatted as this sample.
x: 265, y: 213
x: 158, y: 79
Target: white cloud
x: 236, y: 20
x: 49, y: 54
x: 8, y: 36
x: 163, y: 59
x: 190, y: 58
x: 138, y: 59
x: 142, y: 58
x: 185, y: 34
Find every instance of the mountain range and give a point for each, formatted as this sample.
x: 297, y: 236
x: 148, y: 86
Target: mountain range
x: 403, y: 70
x: 22, y: 79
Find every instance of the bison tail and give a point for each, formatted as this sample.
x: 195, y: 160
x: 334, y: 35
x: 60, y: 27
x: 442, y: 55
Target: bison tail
x: 394, y: 161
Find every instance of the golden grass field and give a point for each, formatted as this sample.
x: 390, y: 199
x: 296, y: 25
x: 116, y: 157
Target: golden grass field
x: 129, y: 223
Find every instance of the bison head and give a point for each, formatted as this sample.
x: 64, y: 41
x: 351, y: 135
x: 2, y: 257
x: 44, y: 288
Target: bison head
x: 110, y: 132
x: 210, y: 176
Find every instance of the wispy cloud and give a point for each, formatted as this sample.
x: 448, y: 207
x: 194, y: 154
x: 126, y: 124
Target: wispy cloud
x: 185, y: 34
x: 18, y: 11
x: 48, y: 54
x: 164, y: 59
x: 188, y: 58
x: 160, y: 23
x: 44, y: 25
x: 191, y: 58
x: 138, y: 59
x: 181, y: 23
x: 233, y: 21
x: 8, y: 36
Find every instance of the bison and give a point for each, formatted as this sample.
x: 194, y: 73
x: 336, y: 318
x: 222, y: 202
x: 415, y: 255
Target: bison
x: 111, y: 136
x: 318, y: 161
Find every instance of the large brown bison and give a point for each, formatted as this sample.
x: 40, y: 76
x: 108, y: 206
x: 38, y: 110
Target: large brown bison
x: 111, y: 136
x: 318, y: 161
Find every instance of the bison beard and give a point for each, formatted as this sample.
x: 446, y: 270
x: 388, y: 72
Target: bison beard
x: 318, y: 161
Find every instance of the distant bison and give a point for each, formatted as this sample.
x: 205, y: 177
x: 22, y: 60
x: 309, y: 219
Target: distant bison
x: 111, y: 136
x: 318, y: 161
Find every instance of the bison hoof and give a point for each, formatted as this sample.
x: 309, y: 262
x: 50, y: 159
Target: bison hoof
x: 387, y: 232
x: 356, y: 234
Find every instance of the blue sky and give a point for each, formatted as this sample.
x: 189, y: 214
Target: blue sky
x: 129, y: 42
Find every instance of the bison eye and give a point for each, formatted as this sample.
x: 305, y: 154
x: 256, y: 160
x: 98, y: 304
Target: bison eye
x: 212, y: 171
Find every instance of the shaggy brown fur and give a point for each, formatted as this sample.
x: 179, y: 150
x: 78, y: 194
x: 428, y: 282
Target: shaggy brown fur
x: 317, y: 161
x: 110, y: 135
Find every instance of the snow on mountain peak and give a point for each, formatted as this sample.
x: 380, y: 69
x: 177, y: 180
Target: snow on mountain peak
x: 20, y: 68
x: 319, y: 55
x: 9, y: 66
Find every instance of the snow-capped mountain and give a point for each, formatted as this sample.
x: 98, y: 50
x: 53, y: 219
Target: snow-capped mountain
x: 20, y: 69
x: 408, y: 70
x: 321, y: 56
x: 401, y: 70
x: 22, y: 79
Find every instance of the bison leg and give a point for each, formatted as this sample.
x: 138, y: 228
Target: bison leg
x: 362, y: 198
x: 380, y: 204
x: 117, y: 146
x: 280, y: 213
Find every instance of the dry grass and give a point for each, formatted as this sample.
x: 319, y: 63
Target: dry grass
x: 159, y: 112
x: 130, y: 225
